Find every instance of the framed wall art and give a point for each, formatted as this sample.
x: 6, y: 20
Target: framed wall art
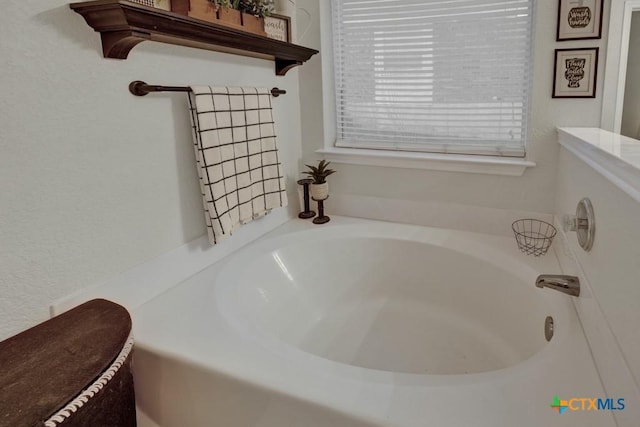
x: 579, y: 19
x: 278, y: 27
x: 575, y: 73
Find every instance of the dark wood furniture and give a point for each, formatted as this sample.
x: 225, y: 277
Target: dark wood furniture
x: 122, y: 25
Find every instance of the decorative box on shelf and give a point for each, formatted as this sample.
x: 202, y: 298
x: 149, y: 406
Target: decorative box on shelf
x: 200, y: 9
x: 207, y: 11
x: 253, y: 24
x: 229, y: 17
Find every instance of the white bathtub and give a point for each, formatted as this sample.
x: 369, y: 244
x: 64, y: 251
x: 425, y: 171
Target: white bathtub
x: 364, y: 323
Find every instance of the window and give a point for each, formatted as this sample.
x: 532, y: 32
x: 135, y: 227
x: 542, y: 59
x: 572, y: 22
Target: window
x: 439, y: 76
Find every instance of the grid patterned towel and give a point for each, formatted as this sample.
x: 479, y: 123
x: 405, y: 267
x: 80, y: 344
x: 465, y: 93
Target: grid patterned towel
x: 241, y: 177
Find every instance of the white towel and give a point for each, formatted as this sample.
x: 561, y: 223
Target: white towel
x: 241, y: 177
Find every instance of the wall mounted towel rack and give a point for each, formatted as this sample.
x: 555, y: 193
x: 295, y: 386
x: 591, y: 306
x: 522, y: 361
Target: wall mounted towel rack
x: 140, y: 88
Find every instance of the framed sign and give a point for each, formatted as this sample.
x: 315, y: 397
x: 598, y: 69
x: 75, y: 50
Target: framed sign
x: 575, y: 73
x: 579, y: 20
x: 278, y: 27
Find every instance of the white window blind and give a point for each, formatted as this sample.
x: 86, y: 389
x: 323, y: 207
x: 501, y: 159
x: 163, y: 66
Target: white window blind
x: 446, y: 76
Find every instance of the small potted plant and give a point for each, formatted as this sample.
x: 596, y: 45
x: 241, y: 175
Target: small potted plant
x: 257, y: 8
x: 319, y: 174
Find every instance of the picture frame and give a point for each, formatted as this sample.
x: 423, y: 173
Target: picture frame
x: 278, y: 27
x: 579, y: 19
x: 575, y: 73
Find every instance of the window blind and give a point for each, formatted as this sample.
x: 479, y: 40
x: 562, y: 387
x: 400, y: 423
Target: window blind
x: 447, y: 76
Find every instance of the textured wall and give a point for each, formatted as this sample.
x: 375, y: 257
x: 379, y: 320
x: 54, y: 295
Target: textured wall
x: 534, y: 191
x: 631, y: 110
x: 92, y: 179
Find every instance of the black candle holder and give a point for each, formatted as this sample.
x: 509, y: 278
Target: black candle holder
x: 307, y: 213
x: 321, y: 218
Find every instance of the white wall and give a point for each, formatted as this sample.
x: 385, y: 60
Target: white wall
x: 631, y: 109
x: 534, y: 191
x: 611, y: 268
x: 94, y: 180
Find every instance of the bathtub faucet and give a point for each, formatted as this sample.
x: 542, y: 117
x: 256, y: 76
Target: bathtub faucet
x: 569, y: 285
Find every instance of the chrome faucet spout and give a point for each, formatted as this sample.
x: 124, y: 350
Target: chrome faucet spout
x: 569, y: 285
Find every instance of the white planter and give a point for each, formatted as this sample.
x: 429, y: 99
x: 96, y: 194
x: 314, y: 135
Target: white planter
x: 319, y: 191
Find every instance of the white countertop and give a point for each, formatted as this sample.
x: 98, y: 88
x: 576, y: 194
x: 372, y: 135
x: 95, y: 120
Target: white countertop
x: 615, y: 156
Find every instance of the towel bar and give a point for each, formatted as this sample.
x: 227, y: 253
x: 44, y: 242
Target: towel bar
x: 140, y: 88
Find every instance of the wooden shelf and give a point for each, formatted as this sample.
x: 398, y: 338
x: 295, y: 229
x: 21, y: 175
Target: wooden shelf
x: 122, y: 25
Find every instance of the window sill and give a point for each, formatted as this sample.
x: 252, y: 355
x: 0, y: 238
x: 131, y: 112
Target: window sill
x: 428, y: 161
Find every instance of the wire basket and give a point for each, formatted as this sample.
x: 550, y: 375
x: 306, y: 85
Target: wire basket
x: 534, y: 237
